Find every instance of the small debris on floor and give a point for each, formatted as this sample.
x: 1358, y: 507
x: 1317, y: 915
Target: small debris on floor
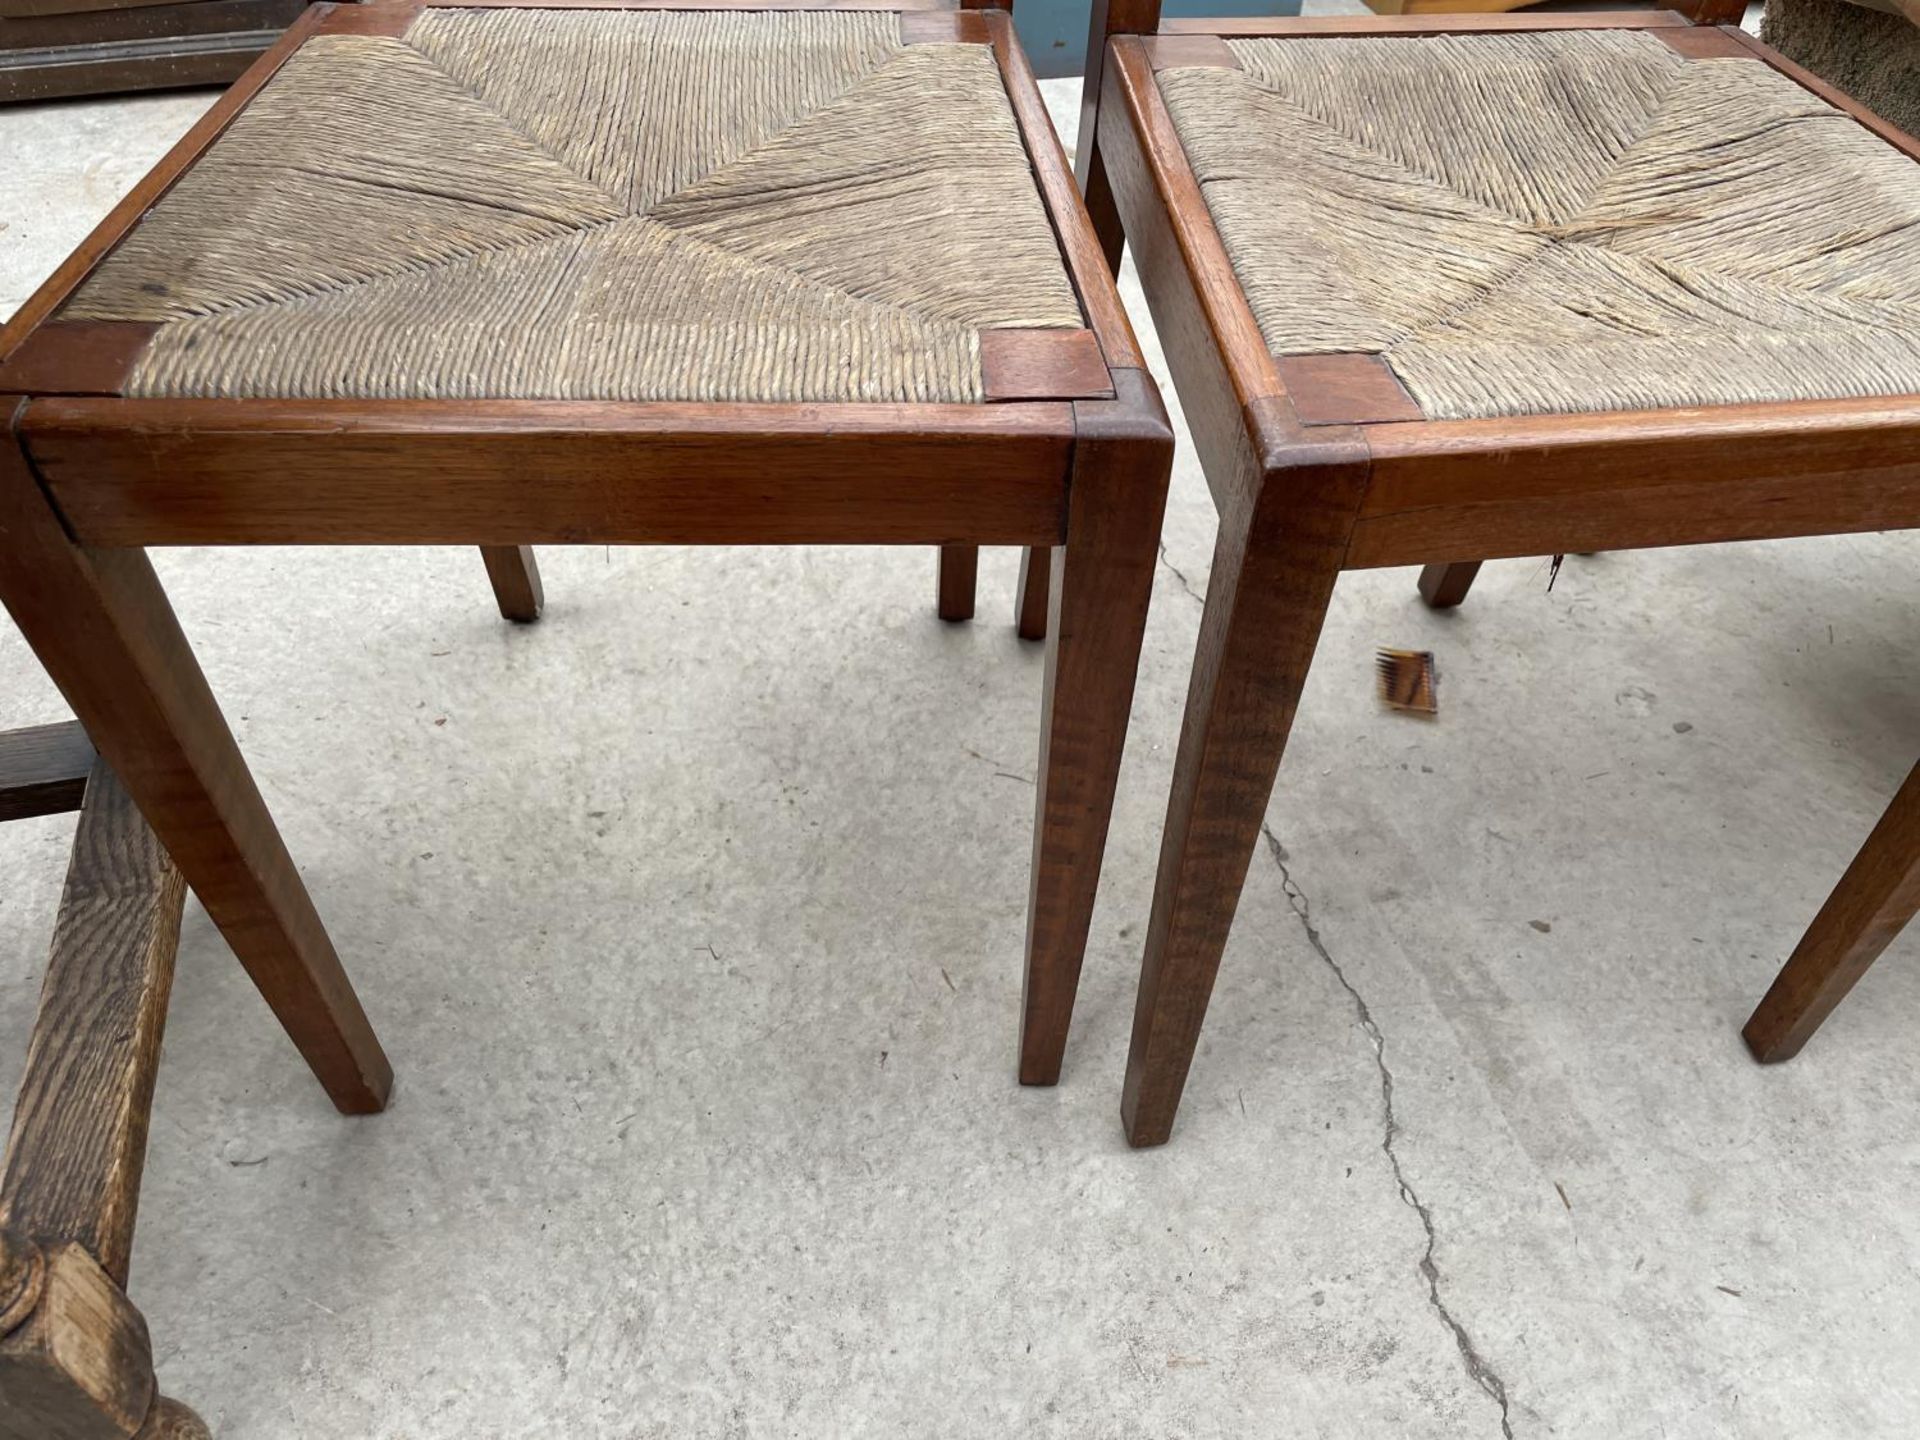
x: 1543, y: 926
x: 1408, y: 681
x: 1682, y: 727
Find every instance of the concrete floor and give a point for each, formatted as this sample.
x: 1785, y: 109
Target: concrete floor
x: 692, y: 918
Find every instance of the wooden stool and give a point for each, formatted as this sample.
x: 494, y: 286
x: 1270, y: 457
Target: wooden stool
x: 766, y: 276
x: 75, y: 1362
x: 1658, y: 301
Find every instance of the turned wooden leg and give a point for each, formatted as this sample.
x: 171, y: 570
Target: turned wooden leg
x: 1445, y: 586
x: 1036, y: 582
x: 1273, y: 574
x: 101, y: 625
x: 516, y: 581
x: 959, y: 568
x: 1102, y: 581
x: 1873, y: 901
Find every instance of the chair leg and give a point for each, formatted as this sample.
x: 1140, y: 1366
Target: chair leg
x: 1036, y: 581
x: 959, y: 569
x: 516, y: 581
x: 1445, y: 586
x: 1101, y: 583
x: 101, y: 625
x: 1872, y: 903
x: 1273, y: 576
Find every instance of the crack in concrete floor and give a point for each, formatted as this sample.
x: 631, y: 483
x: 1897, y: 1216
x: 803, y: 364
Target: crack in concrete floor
x: 1478, y: 1366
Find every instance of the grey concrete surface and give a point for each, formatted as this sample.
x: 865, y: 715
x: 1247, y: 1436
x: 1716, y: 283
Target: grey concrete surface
x: 692, y: 918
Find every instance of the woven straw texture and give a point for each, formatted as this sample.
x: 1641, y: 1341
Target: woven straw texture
x: 1873, y: 56
x: 1559, y: 221
x: 618, y: 205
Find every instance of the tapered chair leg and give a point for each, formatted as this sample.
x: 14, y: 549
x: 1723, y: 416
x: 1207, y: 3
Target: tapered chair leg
x: 1036, y: 581
x: 1872, y: 903
x: 1101, y: 583
x: 1273, y: 576
x: 1445, y: 586
x: 101, y: 625
x: 516, y: 581
x: 959, y: 570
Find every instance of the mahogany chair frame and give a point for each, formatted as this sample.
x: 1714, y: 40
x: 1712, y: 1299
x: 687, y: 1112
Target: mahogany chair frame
x: 1071, y: 452
x: 1318, y: 467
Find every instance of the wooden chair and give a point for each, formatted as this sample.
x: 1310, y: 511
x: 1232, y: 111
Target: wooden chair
x: 75, y: 1362
x: 386, y: 292
x: 1405, y: 330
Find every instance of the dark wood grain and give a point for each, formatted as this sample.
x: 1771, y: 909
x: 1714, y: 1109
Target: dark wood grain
x: 944, y: 27
x: 1273, y: 573
x: 75, y: 1361
x: 1176, y: 52
x: 1043, y: 365
x: 1711, y: 12
x: 1106, y: 19
x: 1444, y: 587
x: 1036, y: 585
x: 959, y: 572
x: 1345, y: 390
x: 44, y: 769
x: 182, y: 472
x: 80, y: 1126
x: 101, y: 626
x: 1086, y: 261
x: 1101, y: 585
x: 76, y: 357
x: 516, y: 581
x: 1704, y: 43
x: 1872, y: 903
x: 377, y: 18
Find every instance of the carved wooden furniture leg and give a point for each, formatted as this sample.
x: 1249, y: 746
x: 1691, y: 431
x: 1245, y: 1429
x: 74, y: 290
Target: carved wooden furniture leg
x: 516, y: 581
x: 1445, y: 586
x: 1872, y: 903
x: 1102, y: 581
x: 74, y: 1356
x: 959, y: 569
x: 102, y: 627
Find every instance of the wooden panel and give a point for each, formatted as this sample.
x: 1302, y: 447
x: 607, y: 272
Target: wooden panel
x: 1170, y: 52
x: 1086, y: 262
x: 136, y: 472
x: 1446, y: 24
x: 1705, y: 43
x: 76, y: 357
x: 80, y: 1126
x: 1345, y: 390
x: 171, y: 20
x: 33, y: 9
x: 44, y: 769
x: 1043, y: 365
x: 372, y: 19
x: 153, y: 185
x: 944, y: 27
x: 162, y: 64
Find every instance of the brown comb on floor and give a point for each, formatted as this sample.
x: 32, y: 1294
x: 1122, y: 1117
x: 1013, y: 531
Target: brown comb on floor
x: 1407, y: 681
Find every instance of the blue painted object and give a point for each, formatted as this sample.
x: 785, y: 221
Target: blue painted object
x: 1054, y: 32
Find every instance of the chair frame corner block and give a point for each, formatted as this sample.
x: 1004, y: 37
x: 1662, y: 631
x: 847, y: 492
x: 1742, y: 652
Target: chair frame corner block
x: 1326, y: 464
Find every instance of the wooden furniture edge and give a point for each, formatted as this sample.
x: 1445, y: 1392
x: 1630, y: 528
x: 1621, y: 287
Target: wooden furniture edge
x: 1079, y: 246
x: 1908, y: 145
x: 1043, y: 365
x: 44, y: 769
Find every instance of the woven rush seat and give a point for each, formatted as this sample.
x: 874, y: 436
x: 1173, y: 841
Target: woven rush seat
x: 598, y: 205
x: 1561, y: 221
